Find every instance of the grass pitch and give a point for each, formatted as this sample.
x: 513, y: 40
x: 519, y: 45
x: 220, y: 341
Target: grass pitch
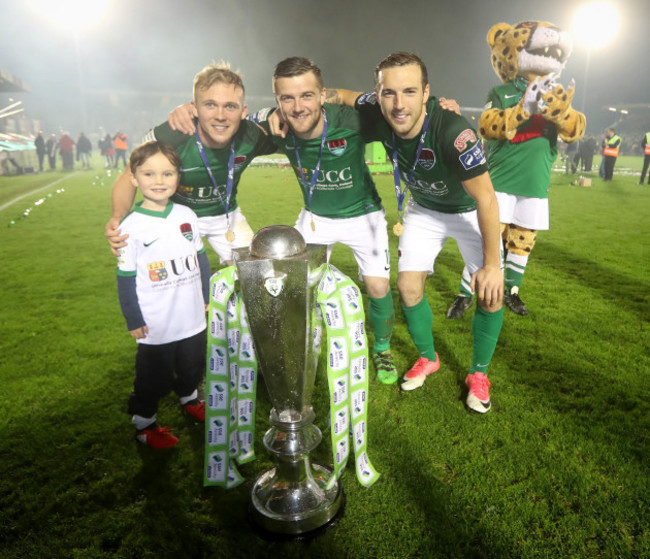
x: 558, y: 468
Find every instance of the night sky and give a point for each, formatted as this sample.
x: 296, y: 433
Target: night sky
x: 138, y: 62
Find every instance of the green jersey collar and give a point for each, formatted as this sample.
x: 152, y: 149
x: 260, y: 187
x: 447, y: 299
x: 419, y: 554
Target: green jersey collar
x: 139, y: 209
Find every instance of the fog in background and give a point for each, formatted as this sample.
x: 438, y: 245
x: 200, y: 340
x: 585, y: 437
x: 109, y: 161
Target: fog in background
x: 138, y: 62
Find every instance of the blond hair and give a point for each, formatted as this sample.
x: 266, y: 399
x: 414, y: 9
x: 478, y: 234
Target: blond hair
x: 218, y: 72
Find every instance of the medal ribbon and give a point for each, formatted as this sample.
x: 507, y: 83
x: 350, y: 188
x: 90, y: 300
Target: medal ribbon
x: 314, y: 176
x: 231, y: 170
x: 400, y: 195
x: 231, y: 384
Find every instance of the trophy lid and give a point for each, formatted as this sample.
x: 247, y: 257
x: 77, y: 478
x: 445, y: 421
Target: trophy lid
x: 277, y: 241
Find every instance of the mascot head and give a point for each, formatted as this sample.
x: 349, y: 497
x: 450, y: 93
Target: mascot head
x: 529, y: 49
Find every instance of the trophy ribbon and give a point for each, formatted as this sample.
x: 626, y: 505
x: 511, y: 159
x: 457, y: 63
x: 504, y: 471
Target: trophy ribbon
x: 232, y: 375
x: 231, y: 384
x: 340, y: 302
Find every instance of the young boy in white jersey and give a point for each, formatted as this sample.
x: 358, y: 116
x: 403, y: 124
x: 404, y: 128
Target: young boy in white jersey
x: 163, y: 286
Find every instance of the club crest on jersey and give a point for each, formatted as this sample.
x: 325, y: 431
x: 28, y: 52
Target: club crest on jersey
x: 239, y: 161
x: 186, y: 229
x: 157, y: 271
x: 472, y: 158
x: 337, y: 147
x: 275, y: 285
x: 427, y: 159
x: 460, y: 143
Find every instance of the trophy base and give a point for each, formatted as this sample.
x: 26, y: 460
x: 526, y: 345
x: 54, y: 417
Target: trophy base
x: 294, y: 508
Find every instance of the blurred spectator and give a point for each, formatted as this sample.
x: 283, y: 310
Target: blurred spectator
x: 645, y: 143
x: 51, y: 147
x: 106, y: 149
x: 120, y: 148
x: 571, y: 158
x: 84, y: 147
x: 611, y: 146
x: 66, y: 143
x: 39, y: 144
x: 586, y: 150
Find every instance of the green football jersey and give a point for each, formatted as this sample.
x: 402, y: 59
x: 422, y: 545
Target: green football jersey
x: 344, y: 187
x: 521, y: 166
x: 196, y: 189
x: 451, y: 153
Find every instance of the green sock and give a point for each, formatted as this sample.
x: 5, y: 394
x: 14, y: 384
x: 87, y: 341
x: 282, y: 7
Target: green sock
x: 419, y: 320
x: 486, y: 327
x: 381, y: 313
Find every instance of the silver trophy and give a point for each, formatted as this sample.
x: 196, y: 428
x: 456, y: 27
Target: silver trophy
x: 278, y: 278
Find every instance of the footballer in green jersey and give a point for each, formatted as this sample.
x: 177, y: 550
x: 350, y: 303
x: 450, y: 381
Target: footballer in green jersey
x: 441, y: 151
x: 221, y: 144
x: 196, y: 189
x: 344, y: 187
x: 327, y: 151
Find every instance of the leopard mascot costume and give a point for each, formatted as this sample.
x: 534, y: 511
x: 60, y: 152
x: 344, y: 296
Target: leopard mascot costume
x: 521, y: 122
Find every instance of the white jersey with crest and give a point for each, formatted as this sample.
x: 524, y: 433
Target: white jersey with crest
x: 162, y: 254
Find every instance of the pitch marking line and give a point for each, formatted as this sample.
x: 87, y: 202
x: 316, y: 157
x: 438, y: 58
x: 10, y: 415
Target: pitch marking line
x: 7, y: 204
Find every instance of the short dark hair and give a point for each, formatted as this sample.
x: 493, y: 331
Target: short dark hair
x: 144, y: 151
x: 402, y: 58
x: 296, y: 66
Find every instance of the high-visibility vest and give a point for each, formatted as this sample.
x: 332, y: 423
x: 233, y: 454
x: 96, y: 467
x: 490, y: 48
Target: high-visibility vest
x: 610, y: 149
x: 120, y: 142
x: 647, y: 143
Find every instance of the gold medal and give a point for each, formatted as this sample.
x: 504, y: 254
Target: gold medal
x: 230, y: 236
x: 398, y: 229
x: 313, y: 225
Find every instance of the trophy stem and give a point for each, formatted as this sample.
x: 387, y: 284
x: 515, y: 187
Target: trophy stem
x: 292, y: 497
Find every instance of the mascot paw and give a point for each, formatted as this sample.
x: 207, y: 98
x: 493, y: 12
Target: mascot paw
x: 557, y: 101
x: 533, y: 99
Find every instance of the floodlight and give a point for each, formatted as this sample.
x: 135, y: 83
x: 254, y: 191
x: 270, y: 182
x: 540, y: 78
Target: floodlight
x: 596, y: 24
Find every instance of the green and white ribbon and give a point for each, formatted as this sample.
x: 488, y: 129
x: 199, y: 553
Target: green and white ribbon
x: 231, y: 378
x: 231, y: 384
x: 347, y: 372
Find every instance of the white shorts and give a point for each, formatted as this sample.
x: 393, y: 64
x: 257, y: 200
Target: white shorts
x: 366, y: 236
x: 531, y: 213
x: 426, y: 232
x: 214, y: 229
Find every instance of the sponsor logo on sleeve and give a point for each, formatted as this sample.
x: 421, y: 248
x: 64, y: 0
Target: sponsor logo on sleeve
x: 367, y: 98
x: 460, y: 143
x: 239, y: 161
x: 472, y: 158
